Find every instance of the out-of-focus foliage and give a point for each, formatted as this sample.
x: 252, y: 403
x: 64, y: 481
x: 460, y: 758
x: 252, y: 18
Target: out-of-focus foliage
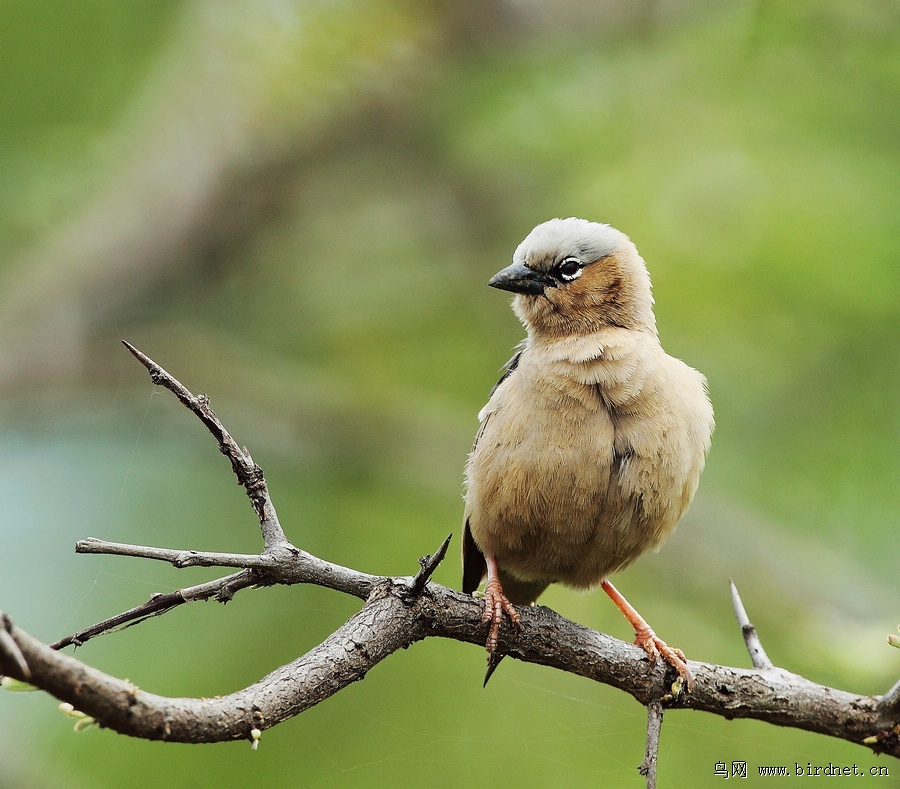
x: 294, y: 207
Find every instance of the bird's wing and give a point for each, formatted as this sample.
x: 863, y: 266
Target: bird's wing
x: 507, y: 371
x: 474, y: 566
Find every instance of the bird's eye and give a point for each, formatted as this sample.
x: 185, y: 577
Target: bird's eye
x: 569, y: 269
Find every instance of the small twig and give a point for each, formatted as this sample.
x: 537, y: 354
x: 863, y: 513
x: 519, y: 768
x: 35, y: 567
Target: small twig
x: 178, y: 558
x: 10, y: 649
x: 751, y: 638
x: 288, y: 566
x: 427, y: 566
x: 221, y: 589
x: 654, y: 728
x: 249, y: 475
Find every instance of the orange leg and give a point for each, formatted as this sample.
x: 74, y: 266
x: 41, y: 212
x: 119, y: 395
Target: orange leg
x: 644, y: 636
x: 495, y: 603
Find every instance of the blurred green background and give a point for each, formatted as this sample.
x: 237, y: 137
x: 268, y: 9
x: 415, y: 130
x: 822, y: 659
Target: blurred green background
x: 294, y: 207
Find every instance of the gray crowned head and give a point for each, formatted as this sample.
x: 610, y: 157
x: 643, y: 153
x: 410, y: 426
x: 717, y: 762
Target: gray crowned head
x: 571, y: 276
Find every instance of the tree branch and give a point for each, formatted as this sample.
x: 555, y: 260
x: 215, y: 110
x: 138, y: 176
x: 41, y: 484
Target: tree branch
x: 427, y: 566
x: 249, y: 475
x: 178, y: 558
x: 222, y: 590
x: 388, y: 621
x: 891, y: 701
x: 654, y: 728
x: 397, y: 612
x: 751, y: 638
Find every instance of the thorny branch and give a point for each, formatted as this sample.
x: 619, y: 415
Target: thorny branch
x: 654, y: 727
x: 397, y: 612
x: 222, y: 590
x: 249, y: 475
x: 751, y: 637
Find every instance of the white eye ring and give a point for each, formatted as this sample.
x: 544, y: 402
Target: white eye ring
x: 566, y: 273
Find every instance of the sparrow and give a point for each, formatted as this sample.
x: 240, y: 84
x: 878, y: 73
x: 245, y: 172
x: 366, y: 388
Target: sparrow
x: 591, y: 445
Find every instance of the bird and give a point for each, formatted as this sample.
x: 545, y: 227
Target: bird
x: 590, y: 447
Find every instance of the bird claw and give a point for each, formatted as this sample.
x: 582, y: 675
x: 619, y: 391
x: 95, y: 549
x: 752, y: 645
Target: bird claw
x: 495, y: 603
x: 655, y: 647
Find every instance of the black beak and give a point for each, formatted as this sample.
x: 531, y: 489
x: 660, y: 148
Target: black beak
x: 518, y: 278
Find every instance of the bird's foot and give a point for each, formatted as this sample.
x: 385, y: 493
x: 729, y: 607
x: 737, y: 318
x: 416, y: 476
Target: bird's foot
x: 495, y: 603
x: 655, y: 647
x: 645, y: 638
